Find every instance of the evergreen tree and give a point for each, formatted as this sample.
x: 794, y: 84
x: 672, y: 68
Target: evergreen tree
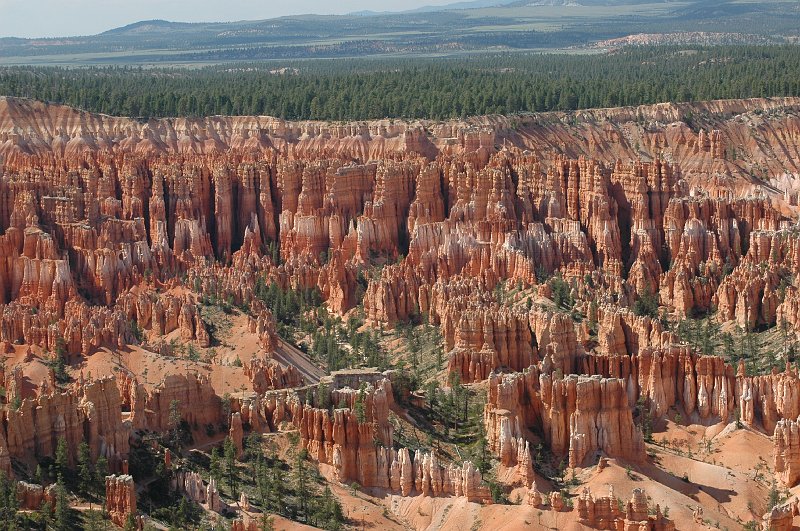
x: 263, y: 486
x: 562, y: 293
x: 174, y: 424
x: 728, y: 347
x: 420, y: 88
x: 130, y: 522
x: 322, y: 396
x: 266, y: 523
x: 358, y: 405
x: 61, y: 458
x: 231, y: 473
x: 432, y: 394
x: 301, y: 484
x: 277, y: 486
x: 215, y: 468
x: 183, y: 514
x: 646, y: 304
x: 482, y: 459
x: 644, y: 419
x: 85, y: 469
x: 328, y: 512
x: 100, y: 473
x: 9, y: 505
x: 59, y: 363
x: 93, y: 521
x: 61, y: 515
x: 774, y: 496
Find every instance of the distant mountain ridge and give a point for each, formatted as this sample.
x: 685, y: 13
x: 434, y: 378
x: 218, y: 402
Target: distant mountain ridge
x: 480, y: 4
x: 144, y: 26
x: 468, y: 26
x: 161, y: 26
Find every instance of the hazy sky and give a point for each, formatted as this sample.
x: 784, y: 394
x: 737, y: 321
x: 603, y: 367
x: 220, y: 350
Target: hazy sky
x: 60, y: 18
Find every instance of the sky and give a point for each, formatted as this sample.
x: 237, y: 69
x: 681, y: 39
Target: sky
x: 62, y: 18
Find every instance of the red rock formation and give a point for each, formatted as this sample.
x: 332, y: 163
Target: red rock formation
x: 556, y: 501
x: 637, y: 515
x: 245, y: 525
x: 120, y: 498
x: 475, y: 211
x: 749, y: 297
x: 360, y: 449
x: 236, y: 433
x: 786, y: 453
x: 704, y: 387
x: 346, y: 438
x: 768, y: 398
x: 196, y: 400
x: 190, y: 484
x: 269, y: 374
x: 30, y: 496
x: 487, y: 339
x: 212, y: 497
x: 788, y: 311
x: 92, y: 414
x: 781, y: 517
x: 534, y: 497
x: 604, y: 513
x: 578, y: 416
x: 114, y: 232
x: 601, y: 512
x: 601, y: 419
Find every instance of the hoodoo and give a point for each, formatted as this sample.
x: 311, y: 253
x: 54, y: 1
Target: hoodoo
x: 441, y: 319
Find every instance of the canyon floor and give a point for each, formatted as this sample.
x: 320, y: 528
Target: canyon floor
x: 582, y: 320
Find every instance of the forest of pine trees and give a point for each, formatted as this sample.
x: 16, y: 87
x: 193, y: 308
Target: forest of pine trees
x: 354, y: 89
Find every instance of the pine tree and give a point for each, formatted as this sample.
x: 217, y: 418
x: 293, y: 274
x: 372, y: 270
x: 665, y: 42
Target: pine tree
x: 174, y: 424
x: 183, y: 514
x: 322, y: 396
x: 645, y: 420
x: 61, y: 515
x: 130, y: 522
x: 226, y: 408
x: 482, y: 460
x: 358, y: 404
x: 100, y: 473
x: 774, y: 496
x: 85, y: 472
x: 61, y: 457
x: 9, y: 505
x: 328, y: 511
x: 266, y: 523
x: 262, y: 482
x: 728, y: 347
x: 60, y: 361
x: 93, y: 521
x: 301, y: 483
x: 456, y: 87
x: 231, y: 474
x: 215, y: 468
x: 278, y: 486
